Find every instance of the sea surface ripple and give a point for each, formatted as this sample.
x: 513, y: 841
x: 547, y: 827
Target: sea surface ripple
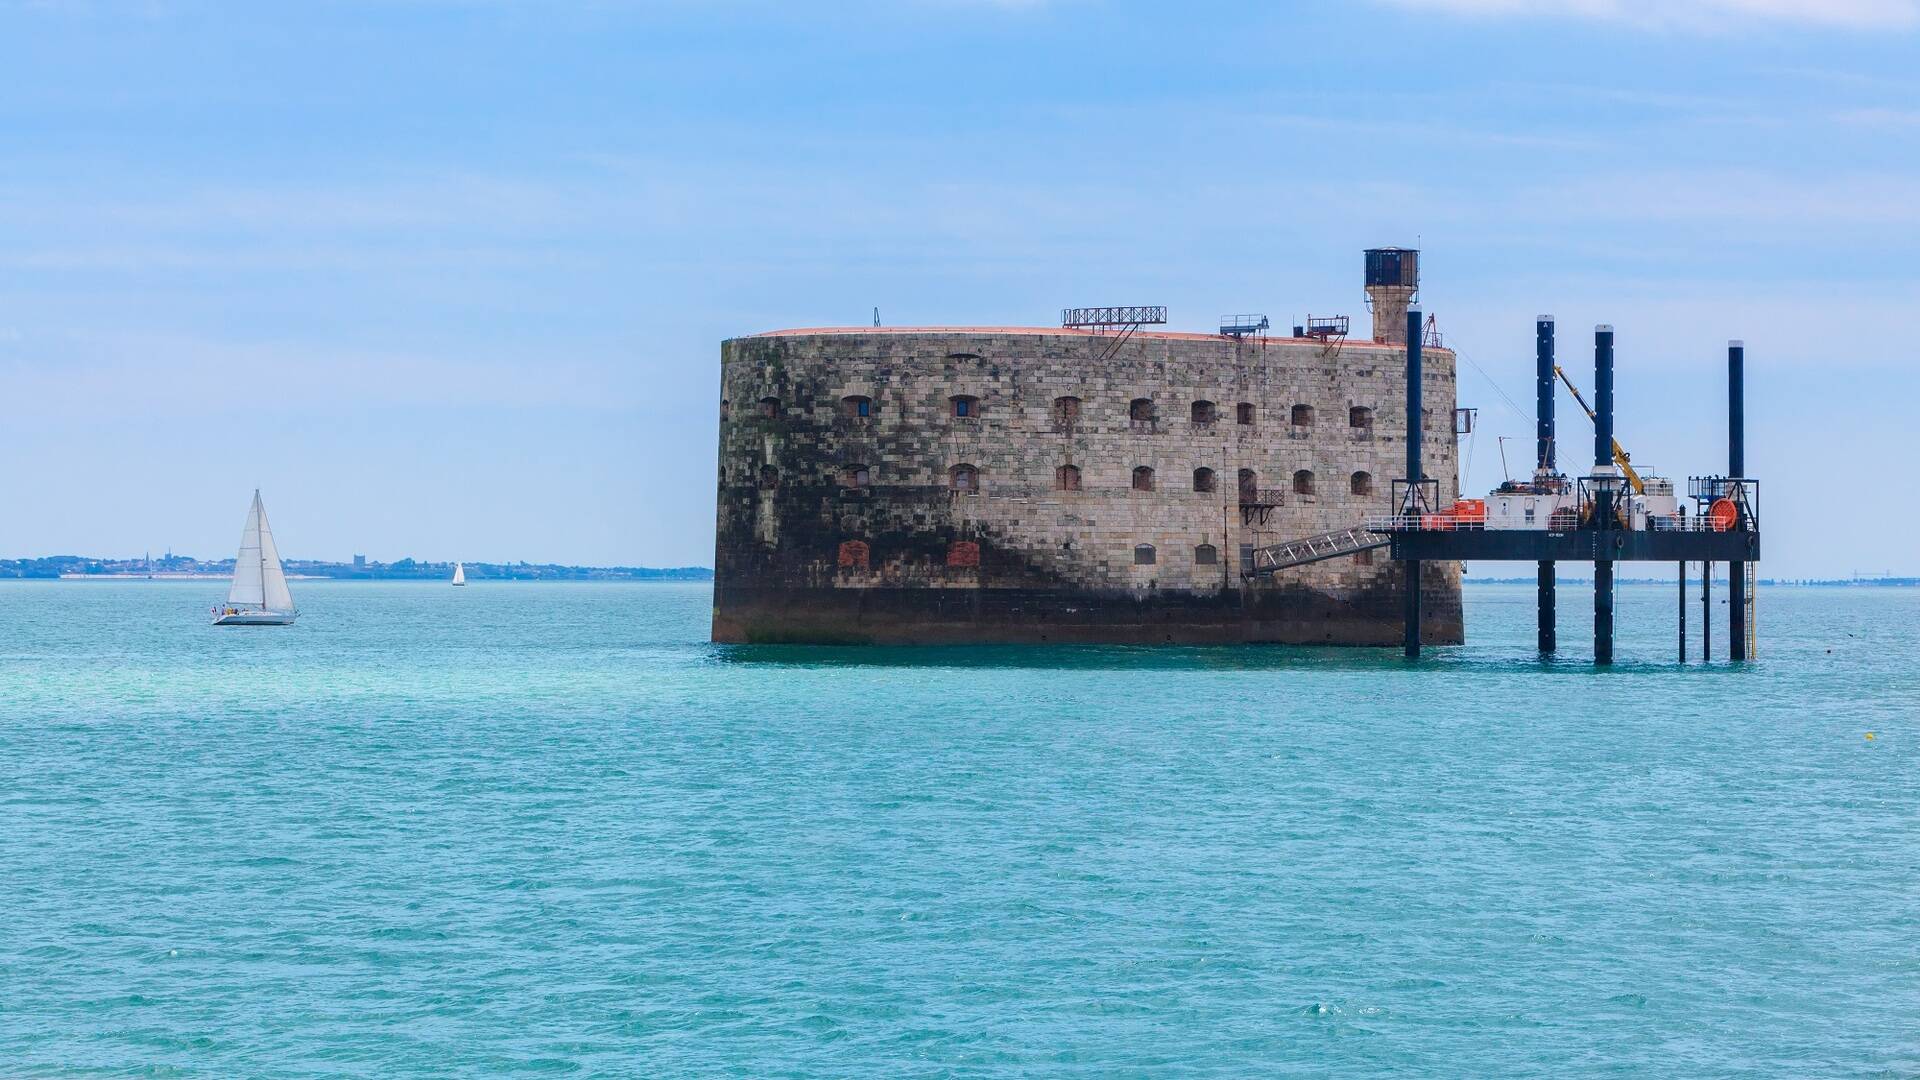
x: 549, y: 829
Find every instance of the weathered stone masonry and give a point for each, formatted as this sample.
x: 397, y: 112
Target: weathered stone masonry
x: 858, y: 502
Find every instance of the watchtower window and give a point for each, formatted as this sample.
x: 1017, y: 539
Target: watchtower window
x: 1142, y: 478
x: 1360, y: 417
x: 859, y: 408
x: 1206, y: 555
x: 965, y: 407
x: 1143, y: 555
x: 770, y: 408
x: 1303, y: 416
x: 1140, y: 410
x: 1066, y: 478
x: 726, y: 408
x: 769, y: 476
x: 1362, y: 483
x: 1203, y: 412
x: 1203, y: 479
x: 1249, y: 486
x: 855, y: 476
x: 1066, y: 410
x: 964, y: 479
x: 1243, y: 412
x: 1303, y: 482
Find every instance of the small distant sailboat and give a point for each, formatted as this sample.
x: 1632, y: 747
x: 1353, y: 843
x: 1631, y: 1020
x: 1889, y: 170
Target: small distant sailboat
x: 259, y: 596
x: 459, y: 573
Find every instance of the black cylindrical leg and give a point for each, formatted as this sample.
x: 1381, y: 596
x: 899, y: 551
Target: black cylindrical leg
x: 1683, y: 612
x: 1736, y: 468
x: 1415, y: 436
x: 1603, y: 612
x: 1543, y: 451
x: 1706, y: 611
x: 1548, y: 641
x: 1413, y: 608
x: 1736, y: 611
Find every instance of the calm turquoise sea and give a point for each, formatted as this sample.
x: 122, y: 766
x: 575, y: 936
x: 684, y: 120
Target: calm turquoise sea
x: 528, y: 828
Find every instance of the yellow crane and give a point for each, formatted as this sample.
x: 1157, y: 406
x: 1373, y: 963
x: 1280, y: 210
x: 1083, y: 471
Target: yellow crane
x: 1620, y: 456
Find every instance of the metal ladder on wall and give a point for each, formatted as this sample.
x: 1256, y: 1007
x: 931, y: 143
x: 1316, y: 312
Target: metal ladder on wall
x: 1328, y: 545
x: 1753, y: 595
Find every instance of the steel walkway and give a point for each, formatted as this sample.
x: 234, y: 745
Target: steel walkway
x: 1311, y: 549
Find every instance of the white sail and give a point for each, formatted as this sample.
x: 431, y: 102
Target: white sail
x: 273, y: 577
x: 258, y: 580
x: 459, y: 573
x: 248, y: 589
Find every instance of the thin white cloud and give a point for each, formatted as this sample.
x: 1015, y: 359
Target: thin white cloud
x: 1695, y: 14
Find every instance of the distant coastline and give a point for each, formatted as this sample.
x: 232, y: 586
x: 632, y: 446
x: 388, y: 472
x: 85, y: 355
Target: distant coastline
x: 1775, y: 583
x: 185, y: 568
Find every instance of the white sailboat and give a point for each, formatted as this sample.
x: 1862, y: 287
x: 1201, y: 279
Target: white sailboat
x: 459, y: 573
x: 259, y: 595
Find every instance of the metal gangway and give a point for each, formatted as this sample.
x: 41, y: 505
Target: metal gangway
x: 1328, y: 545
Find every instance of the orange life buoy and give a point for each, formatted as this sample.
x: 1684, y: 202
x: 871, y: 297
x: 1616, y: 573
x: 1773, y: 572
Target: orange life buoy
x: 1723, y: 515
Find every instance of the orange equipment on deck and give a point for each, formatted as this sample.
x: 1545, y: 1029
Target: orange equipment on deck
x: 1463, y: 514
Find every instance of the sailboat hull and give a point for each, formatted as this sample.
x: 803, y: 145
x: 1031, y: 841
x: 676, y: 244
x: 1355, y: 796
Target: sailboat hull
x: 254, y: 618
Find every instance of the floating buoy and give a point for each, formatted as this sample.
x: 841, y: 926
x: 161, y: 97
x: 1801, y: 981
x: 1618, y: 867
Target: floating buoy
x: 1869, y: 736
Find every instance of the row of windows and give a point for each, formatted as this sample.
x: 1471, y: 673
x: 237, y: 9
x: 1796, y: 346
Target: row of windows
x: 1203, y: 555
x: 1066, y: 410
x: 858, y: 554
x: 966, y: 479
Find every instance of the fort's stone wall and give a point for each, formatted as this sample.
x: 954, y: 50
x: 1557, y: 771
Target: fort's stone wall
x: 837, y: 526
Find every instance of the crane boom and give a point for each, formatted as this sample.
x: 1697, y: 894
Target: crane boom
x: 1620, y: 455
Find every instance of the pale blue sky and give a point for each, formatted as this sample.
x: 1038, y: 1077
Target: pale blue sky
x: 448, y: 279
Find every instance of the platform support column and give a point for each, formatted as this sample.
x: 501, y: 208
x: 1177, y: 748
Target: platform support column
x: 1683, y: 612
x: 1706, y: 611
x: 1603, y: 611
x: 1415, y: 430
x: 1603, y: 514
x: 1736, y: 468
x: 1543, y: 461
x: 1547, y: 616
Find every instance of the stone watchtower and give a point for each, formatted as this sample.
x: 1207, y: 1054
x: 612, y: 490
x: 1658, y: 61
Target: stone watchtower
x: 1393, y: 279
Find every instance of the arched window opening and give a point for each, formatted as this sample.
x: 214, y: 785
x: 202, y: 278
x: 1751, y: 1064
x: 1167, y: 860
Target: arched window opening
x: 726, y: 408
x: 1206, y: 555
x: 1140, y: 410
x: 769, y: 476
x: 1066, y: 478
x: 853, y: 555
x: 1142, y: 478
x: 1143, y: 555
x: 1362, y: 483
x: 856, y: 407
x: 1303, y: 416
x: 1303, y: 482
x: 1243, y: 412
x: 1202, y: 412
x: 1360, y: 417
x: 1203, y: 479
x: 964, y: 479
x: 855, y: 476
x: 769, y: 408
x: 963, y: 553
x: 1066, y: 410
x: 965, y: 406
x: 1249, y: 485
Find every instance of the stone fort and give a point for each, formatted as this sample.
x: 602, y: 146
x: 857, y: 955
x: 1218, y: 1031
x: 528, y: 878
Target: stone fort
x: 973, y: 484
